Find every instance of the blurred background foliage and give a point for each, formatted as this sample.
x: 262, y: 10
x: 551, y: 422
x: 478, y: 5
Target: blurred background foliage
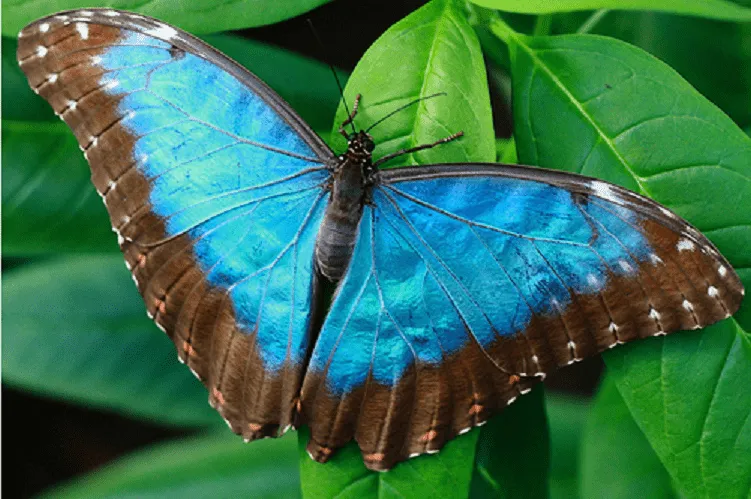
x: 94, y: 389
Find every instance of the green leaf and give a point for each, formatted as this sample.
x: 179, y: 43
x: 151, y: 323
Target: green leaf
x: 446, y: 474
x: 49, y: 204
x: 18, y: 101
x: 437, y: 51
x: 617, y: 460
x: 215, y: 465
x: 720, y: 69
x: 566, y: 418
x: 75, y: 328
x: 198, y: 16
x: 506, y: 151
x: 715, y: 9
x: 689, y: 396
x: 512, y: 457
x: 624, y: 116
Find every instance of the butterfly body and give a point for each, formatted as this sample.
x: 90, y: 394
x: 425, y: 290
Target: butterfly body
x: 352, y: 179
x: 459, y: 287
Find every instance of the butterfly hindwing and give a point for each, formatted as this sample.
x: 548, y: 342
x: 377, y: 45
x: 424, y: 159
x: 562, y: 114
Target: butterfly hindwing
x: 470, y: 283
x: 214, y: 187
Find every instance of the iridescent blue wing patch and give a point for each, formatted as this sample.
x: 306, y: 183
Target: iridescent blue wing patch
x: 469, y: 283
x: 214, y: 188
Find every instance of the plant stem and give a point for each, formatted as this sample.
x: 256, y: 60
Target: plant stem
x: 592, y: 21
x: 543, y: 25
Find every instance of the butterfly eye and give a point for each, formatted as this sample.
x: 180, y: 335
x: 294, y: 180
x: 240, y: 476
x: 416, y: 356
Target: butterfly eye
x: 369, y: 145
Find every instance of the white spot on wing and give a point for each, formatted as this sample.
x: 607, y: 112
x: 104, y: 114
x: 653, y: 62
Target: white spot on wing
x: 712, y: 291
x: 654, y: 314
x: 625, y: 266
x: 688, y: 305
x: 667, y: 212
x: 605, y: 191
x: 592, y: 280
x: 655, y: 259
x: 613, y: 327
x: 83, y: 30
x: 525, y: 391
x: 685, y: 245
x: 52, y: 78
x: 111, y: 13
x: 510, y: 401
x: 41, y: 51
x: 431, y: 451
x: 464, y: 430
x: 163, y: 32
x: 722, y: 271
x: 44, y: 27
x: 414, y: 454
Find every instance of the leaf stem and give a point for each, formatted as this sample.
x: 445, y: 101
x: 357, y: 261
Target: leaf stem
x: 592, y: 21
x: 502, y: 30
x: 543, y: 25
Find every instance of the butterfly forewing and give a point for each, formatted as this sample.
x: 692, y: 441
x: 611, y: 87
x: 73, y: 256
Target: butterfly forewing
x: 195, y: 159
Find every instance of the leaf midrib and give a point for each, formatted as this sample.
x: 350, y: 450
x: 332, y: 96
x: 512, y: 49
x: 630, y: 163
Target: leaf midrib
x: 601, y: 134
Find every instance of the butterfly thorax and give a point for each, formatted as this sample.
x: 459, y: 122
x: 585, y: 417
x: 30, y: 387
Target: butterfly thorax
x: 351, y: 179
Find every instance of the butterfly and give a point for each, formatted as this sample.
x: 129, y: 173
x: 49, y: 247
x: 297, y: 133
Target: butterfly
x: 458, y: 287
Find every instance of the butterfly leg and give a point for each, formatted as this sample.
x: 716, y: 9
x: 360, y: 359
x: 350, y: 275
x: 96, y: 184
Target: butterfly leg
x: 401, y: 152
x: 351, y: 116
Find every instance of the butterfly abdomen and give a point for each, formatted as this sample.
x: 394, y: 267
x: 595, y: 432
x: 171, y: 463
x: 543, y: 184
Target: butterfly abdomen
x: 338, y: 232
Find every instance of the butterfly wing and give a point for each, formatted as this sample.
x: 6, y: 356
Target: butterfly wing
x: 470, y: 283
x: 214, y: 188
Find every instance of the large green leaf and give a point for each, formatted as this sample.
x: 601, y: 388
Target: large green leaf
x: 513, y: 462
x: 604, y: 108
x: 18, y: 101
x: 75, y: 328
x: 437, y: 52
x: 689, y: 395
x: 566, y: 417
x: 215, y: 465
x: 197, y: 16
x: 617, y: 460
x: 716, y: 9
x: 712, y: 55
x: 49, y: 204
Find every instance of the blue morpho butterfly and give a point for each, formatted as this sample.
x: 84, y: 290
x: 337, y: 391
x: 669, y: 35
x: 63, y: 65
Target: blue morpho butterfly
x: 459, y: 286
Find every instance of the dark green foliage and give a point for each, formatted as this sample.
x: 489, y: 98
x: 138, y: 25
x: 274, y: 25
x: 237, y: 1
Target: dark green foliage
x: 671, y: 417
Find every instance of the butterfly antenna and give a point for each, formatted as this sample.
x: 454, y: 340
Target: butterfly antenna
x: 405, y: 106
x: 327, y: 58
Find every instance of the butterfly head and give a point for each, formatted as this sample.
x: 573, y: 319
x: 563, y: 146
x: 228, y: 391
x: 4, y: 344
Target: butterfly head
x: 360, y: 146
